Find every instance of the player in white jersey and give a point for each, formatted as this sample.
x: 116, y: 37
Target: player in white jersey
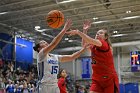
x: 48, y: 64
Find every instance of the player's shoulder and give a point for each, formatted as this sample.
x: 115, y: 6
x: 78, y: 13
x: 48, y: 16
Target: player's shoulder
x: 40, y: 53
x: 102, y: 40
x: 54, y: 55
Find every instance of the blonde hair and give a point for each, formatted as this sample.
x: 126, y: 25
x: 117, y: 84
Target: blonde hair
x: 107, y: 35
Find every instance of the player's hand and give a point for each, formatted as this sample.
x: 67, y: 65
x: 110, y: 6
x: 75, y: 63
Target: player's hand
x: 72, y: 32
x: 86, y: 25
x: 67, y: 25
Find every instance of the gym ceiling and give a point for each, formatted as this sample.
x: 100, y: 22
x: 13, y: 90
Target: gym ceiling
x: 26, y: 19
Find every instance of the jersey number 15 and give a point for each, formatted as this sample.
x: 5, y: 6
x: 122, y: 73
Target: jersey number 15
x: 54, y: 70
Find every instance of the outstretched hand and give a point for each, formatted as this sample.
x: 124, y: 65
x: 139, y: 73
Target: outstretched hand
x: 67, y: 24
x: 86, y: 25
x: 72, y: 32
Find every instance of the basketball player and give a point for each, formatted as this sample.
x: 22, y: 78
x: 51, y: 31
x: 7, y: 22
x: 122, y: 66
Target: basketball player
x: 48, y: 64
x: 104, y: 77
x: 62, y: 80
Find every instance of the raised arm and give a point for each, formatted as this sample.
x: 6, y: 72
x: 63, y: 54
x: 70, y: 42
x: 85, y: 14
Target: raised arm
x: 68, y: 58
x: 85, y: 37
x: 57, y: 39
x: 86, y: 26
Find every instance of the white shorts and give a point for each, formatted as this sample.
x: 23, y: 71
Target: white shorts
x: 45, y: 88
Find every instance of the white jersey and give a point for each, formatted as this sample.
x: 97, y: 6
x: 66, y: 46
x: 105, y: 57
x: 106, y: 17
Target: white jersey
x: 48, y: 67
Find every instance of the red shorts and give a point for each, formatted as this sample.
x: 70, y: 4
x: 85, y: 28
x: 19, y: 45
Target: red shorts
x: 104, y: 86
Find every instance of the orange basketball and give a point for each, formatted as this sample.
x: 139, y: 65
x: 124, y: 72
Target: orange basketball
x: 55, y: 19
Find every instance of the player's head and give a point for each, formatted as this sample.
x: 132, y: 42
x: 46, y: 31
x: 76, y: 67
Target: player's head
x: 40, y: 45
x: 62, y: 73
x: 103, y: 34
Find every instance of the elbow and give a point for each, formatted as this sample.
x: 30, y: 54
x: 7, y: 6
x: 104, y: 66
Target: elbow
x: 72, y: 58
x: 99, y: 44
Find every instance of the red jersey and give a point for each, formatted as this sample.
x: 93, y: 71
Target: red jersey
x: 62, y: 85
x: 102, y: 61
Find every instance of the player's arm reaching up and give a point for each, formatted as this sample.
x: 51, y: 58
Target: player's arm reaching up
x: 86, y: 38
x: 86, y: 26
x: 57, y: 39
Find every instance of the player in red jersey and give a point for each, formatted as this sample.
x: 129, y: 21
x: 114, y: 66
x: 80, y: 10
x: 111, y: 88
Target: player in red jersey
x: 104, y: 77
x: 61, y: 80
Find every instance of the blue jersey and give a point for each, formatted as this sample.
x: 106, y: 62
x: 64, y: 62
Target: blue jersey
x: 10, y: 88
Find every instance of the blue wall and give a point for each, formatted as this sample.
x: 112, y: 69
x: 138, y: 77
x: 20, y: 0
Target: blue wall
x: 24, y: 55
x: 6, y: 49
x: 122, y: 89
x: 129, y: 88
x: 86, y: 68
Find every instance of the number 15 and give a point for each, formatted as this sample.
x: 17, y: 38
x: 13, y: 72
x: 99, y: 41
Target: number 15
x: 54, y: 70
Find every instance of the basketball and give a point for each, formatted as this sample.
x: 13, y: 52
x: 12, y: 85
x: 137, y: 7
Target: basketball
x: 55, y: 19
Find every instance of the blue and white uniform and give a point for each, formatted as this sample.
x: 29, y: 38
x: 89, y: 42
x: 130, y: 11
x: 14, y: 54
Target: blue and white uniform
x: 48, y: 68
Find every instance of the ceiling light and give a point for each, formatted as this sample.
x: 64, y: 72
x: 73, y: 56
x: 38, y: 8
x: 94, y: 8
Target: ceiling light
x: 42, y: 30
x: 132, y: 17
x: 118, y: 35
x: 115, y: 32
x: 99, y: 22
x: 128, y: 11
x: 66, y: 38
x: 47, y: 35
x: 67, y: 1
x: 125, y: 18
x: 70, y: 41
x: 95, y: 18
x: 2, y: 13
x: 37, y: 27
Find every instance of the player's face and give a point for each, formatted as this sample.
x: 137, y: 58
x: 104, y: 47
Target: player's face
x: 43, y: 43
x: 63, y: 73
x: 100, y: 34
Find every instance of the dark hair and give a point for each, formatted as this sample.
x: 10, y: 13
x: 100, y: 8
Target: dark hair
x: 59, y: 74
x: 36, y: 47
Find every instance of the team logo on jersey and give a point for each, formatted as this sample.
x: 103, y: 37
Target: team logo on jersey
x: 50, y: 61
